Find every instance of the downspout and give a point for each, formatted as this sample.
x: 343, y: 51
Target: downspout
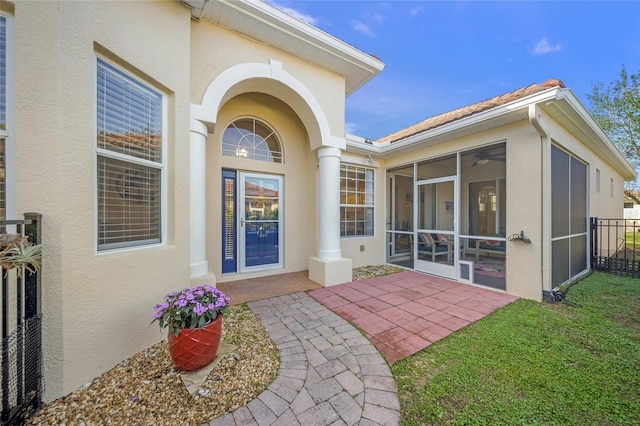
x: 535, y: 118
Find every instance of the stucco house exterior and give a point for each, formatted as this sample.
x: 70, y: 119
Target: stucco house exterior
x: 171, y: 143
x: 631, y: 205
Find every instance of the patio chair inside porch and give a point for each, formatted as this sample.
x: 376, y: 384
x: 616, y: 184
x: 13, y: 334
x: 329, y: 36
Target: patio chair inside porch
x: 490, y: 247
x: 431, y: 245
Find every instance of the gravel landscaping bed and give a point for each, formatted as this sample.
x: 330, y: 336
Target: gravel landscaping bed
x: 147, y: 389
x: 371, y: 271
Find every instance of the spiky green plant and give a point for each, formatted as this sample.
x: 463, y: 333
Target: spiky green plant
x: 23, y: 257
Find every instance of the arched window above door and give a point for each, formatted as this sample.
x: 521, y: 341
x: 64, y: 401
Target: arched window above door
x: 253, y: 139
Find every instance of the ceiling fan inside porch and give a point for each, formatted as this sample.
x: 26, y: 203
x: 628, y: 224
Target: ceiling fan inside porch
x: 483, y: 157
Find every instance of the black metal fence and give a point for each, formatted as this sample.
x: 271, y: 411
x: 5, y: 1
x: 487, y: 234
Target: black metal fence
x: 615, y: 246
x: 21, y: 380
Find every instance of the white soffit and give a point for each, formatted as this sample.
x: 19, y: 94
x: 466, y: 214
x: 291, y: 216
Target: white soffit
x: 267, y: 24
x: 567, y: 110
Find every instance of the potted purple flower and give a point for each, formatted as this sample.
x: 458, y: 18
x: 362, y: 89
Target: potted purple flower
x: 194, y: 319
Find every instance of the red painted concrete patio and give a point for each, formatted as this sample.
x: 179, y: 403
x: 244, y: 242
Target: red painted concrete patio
x: 404, y: 313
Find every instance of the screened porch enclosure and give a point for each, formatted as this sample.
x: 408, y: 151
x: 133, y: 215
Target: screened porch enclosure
x: 447, y: 216
x: 569, y: 212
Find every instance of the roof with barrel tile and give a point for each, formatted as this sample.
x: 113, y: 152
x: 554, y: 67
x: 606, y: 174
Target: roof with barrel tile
x: 451, y: 116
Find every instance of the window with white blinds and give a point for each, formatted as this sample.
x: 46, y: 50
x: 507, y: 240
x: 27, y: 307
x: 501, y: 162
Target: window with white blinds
x: 130, y: 165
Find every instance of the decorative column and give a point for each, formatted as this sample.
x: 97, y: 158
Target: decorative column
x: 198, y: 196
x: 329, y: 203
x: 329, y: 267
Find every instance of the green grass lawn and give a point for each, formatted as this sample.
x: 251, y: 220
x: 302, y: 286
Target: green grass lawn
x: 534, y: 363
x: 632, y: 241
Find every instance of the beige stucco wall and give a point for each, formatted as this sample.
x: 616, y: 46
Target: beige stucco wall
x: 96, y: 306
x: 215, y: 49
x: 525, y: 211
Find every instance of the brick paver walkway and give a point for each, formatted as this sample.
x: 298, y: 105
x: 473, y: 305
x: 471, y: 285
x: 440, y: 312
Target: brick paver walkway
x: 404, y: 313
x: 329, y: 372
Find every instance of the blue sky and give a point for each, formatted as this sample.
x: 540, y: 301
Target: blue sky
x: 442, y: 55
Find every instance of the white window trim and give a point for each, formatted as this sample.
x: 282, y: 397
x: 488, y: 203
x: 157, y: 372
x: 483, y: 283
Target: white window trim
x: 162, y: 166
x: 372, y: 206
x: 611, y: 187
x: 264, y: 123
x: 9, y: 166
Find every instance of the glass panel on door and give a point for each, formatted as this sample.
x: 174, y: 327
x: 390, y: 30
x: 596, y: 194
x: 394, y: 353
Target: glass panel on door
x: 229, y: 245
x: 434, y: 247
x: 262, y: 199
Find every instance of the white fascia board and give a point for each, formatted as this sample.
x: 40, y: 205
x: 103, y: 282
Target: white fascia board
x: 357, y: 144
x: 310, y: 34
x: 609, y: 147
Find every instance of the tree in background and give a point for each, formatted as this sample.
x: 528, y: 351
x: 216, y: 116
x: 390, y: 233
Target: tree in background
x: 616, y: 108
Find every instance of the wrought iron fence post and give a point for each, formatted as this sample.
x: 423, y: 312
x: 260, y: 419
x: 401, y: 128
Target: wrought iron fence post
x: 594, y: 240
x: 22, y: 384
x: 33, y: 303
x: 33, y: 326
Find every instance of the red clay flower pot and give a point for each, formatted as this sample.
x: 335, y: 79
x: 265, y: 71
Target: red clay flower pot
x: 192, y: 349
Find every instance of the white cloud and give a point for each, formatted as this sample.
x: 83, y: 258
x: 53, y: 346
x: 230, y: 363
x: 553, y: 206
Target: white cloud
x: 415, y: 11
x: 295, y: 12
x: 377, y: 19
x: 543, y: 47
x: 361, y: 28
x: 350, y: 127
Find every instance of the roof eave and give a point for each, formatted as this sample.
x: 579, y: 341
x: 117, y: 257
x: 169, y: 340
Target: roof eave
x: 467, y: 125
x: 573, y: 112
x: 595, y: 138
x: 356, y: 66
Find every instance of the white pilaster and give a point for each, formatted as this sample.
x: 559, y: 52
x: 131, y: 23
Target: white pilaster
x: 197, y: 195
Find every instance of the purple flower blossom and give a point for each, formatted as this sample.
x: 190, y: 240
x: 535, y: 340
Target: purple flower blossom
x: 190, y: 305
x: 199, y: 310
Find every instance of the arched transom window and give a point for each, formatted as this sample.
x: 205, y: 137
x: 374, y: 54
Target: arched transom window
x: 252, y: 139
